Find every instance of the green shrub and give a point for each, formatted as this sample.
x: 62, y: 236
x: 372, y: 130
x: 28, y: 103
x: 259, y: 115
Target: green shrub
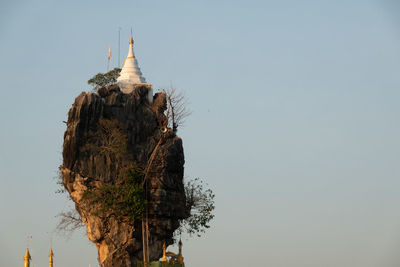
x: 124, y: 198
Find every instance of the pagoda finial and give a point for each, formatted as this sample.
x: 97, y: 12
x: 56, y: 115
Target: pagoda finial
x: 131, y: 40
x: 164, y: 257
x: 51, y: 254
x: 180, y: 257
x: 27, y: 258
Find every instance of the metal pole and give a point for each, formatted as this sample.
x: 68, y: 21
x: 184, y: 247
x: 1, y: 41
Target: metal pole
x: 119, y: 46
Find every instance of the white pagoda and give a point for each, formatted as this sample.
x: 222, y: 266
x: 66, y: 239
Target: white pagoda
x: 131, y: 76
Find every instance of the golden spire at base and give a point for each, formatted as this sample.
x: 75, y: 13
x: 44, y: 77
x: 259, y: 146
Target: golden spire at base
x: 164, y: 257
x: 27, y: 258
x: 51, y: 254
x: 180, y: 257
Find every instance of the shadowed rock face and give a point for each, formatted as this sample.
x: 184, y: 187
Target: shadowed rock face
x: 119, y: 241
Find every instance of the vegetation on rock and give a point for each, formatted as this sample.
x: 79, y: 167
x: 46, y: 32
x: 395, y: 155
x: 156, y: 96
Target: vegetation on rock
x: 104, y: 79
x: 69, y: 221
x: 109, y: 140
x: 177, y: 108
x: 200, y: 205
x: 124, y: 196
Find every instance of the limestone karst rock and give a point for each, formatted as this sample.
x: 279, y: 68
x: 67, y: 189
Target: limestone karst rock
x: 119, y: 241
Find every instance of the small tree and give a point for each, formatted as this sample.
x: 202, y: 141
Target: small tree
x: 69, y: 221
x: 200, y: 205
x: 109, y: 139
x: 104, y: 79
x: 177, y: 110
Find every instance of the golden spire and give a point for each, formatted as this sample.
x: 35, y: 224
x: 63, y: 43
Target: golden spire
x: 131, y: 40
x: 180, y: 257
x: 27, y: 259
x: 51, y: 254
x: 164, y: 257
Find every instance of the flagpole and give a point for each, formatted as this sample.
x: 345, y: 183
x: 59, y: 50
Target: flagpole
x: 108, y: 57
x: 119, y: 46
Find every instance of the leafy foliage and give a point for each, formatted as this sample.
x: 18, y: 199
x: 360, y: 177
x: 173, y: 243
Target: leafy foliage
x: 123, y: 198
x: 104, y: 79
x: 200, y: 205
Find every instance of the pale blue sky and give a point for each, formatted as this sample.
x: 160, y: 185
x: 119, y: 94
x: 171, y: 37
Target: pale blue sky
x: 295, y: 124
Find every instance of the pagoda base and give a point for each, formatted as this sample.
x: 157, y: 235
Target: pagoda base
x: 128, y: 88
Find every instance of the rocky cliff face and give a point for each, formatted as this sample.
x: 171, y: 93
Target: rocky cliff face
x: 118, y: 240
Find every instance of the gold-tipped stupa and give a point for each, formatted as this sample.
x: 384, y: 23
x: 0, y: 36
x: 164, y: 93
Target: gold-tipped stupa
x: 180, y: 257
x: 131, y: 40
x: 164, y: 257
x: 27, y: 259
x: 51, y: 254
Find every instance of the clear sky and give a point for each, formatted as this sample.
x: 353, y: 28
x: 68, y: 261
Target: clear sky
x: 295, y: 123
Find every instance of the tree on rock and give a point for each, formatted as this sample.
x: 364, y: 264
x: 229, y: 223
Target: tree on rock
x: 104, y: 79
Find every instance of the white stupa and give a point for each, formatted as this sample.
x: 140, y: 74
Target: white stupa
x: 131, y: 76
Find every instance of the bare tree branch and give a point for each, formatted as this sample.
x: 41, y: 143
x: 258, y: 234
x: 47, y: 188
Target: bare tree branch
x: 69, y: 221
x: 177, y: 108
